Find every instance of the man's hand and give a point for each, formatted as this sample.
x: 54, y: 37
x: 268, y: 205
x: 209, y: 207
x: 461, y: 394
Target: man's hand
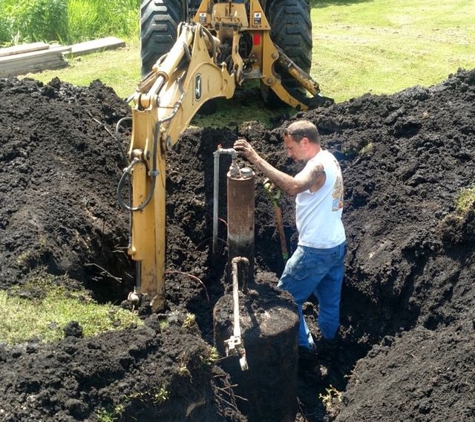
x: 244, y: 148
x: 272, y: 192
x: 279, y: 179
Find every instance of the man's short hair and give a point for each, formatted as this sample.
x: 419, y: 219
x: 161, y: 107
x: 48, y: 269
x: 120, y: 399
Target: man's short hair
x: 303, y: 129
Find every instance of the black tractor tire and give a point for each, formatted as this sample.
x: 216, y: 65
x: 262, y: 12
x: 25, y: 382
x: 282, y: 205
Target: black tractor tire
x: 291, y: 30
x: 159, y: 20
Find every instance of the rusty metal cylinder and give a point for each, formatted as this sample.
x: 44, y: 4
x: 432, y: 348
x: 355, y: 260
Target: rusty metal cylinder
x: 241, y: 208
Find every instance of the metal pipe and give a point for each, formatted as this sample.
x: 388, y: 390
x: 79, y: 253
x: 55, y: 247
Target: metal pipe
x: 241, y: 195
x: 217, y: 154
x: 235, y: 273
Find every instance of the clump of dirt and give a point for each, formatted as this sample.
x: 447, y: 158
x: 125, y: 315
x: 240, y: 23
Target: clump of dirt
x: 407, y: 308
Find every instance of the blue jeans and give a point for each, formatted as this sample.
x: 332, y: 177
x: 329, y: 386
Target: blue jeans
x: 317, y: 271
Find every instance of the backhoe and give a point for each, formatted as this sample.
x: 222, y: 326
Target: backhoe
x: 191, y: 53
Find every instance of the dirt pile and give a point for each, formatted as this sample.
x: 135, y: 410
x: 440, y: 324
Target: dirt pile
x: 407, y: 308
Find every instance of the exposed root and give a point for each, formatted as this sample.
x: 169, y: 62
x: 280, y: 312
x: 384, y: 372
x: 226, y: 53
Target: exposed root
x: 192, y: 277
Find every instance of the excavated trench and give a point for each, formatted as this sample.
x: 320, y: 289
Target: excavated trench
x: 407, y: 320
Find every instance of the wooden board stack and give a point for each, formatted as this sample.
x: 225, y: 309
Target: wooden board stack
x: 36, y: 57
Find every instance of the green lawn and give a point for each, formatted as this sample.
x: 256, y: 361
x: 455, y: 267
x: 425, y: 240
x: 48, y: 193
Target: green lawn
x: 360, y: 47
x: 386, y: 46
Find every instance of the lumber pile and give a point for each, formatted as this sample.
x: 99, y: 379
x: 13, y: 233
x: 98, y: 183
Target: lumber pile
x: 36, y: 57
x: 31, y: 58
x: 109, y: 43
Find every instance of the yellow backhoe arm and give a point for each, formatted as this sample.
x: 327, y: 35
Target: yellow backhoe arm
x: 165, y: 102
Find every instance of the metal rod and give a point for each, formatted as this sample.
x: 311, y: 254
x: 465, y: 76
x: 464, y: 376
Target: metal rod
x: 235, y: 342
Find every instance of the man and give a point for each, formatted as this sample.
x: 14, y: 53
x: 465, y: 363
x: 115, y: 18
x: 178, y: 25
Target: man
x: 317, y: 265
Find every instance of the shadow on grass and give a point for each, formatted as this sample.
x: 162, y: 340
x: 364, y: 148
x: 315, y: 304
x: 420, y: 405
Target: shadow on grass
x: 246, y: 105
x: 319, y: 4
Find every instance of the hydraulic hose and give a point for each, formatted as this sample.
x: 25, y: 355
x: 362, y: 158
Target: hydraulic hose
x: 153, y: 175
x: 120, y: 186
x: 117, y: 136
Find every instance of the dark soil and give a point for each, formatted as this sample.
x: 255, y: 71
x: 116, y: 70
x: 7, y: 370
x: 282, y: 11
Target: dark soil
x: 408, y: 325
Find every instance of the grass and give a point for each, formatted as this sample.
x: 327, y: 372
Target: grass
x: 119, y: 69
x: 48, y: 306
x: 360, y: 47
x: 382, y: 47
x: 465, y: 201
x: 66, y: 21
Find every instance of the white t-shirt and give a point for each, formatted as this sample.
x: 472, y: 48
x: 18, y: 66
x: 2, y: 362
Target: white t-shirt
x: 318, y: 214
